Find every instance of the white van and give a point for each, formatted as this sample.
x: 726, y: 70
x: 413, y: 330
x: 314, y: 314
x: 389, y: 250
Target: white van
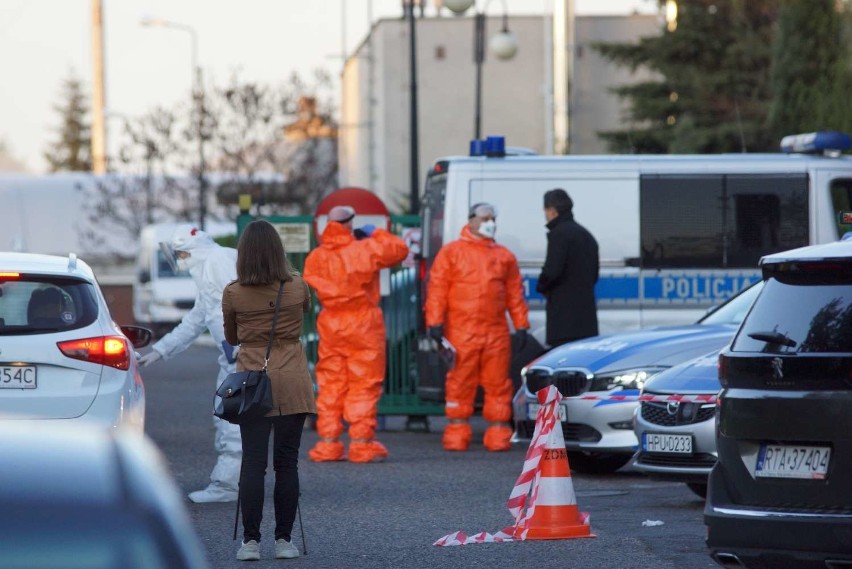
x: 677, y: 234
x: 161, y: 296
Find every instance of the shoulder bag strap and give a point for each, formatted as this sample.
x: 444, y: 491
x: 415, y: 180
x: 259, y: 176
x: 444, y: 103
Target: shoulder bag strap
x: 274, y: 322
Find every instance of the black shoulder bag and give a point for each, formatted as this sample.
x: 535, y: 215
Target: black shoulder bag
x: 247, y: 395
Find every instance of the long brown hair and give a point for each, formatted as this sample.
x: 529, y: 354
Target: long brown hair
x: 261, y: 259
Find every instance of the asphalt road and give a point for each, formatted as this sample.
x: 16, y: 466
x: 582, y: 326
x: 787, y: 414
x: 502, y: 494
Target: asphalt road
x: 388, y: 515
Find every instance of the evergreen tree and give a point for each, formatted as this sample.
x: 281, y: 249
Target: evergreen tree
x: 810, y: 73
x: 712, y: 92
x: 71, y: 151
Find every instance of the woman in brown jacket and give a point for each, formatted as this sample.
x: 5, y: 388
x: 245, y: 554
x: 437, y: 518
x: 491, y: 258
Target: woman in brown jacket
x: 248, y: 305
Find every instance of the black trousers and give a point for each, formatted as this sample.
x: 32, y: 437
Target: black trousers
x: 285, y: 460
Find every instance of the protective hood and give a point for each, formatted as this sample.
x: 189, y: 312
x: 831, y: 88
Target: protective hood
x: 335, y: 235
x: 192, y: 240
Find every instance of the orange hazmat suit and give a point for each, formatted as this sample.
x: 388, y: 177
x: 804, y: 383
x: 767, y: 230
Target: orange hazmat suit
x: 472, y: 283
x: 351, y: 367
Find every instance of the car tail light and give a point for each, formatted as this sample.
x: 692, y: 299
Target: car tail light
x: 109, y: 351
x: 722, y: 367
x: 422, y: 270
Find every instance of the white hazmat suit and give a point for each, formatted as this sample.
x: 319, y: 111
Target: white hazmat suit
x: 212, y: 267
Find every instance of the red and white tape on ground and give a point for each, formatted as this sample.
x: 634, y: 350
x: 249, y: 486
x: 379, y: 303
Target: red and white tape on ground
x: 522, y: 500
x: 655, y: 398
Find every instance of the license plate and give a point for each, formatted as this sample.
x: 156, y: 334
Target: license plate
x: 790, y: 461
x: 17, y: 377
x: 667, y: 444
x: 532, y: 411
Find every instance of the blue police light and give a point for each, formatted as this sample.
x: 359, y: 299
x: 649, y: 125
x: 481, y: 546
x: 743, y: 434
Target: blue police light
x: 847, y: 236
x: 477, y: 147
x: 814, y: 142
x: 495, y: 146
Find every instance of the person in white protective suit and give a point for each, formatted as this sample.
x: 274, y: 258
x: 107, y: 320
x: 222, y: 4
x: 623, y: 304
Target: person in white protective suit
x: 212, y: 267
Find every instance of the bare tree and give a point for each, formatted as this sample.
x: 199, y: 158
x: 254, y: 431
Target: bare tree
x: 144, y: 190
x: 274, y: 144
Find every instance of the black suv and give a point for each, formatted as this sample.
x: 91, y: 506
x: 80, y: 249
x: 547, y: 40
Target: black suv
x: 780, y: 494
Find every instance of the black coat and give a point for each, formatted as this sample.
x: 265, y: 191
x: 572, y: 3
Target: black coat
x: 568, y: 280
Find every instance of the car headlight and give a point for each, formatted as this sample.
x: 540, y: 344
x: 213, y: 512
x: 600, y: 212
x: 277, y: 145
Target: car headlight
x: 625, y: 379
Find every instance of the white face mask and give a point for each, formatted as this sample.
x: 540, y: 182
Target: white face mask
x: 182, y: 265
x: 488, y: 228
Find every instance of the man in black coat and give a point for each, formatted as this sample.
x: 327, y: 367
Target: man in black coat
x: 569, y: 274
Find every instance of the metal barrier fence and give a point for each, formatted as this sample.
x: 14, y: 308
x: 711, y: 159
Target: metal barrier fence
x: 400, y: 308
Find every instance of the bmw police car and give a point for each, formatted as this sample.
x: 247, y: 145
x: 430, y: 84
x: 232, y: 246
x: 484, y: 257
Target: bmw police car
x: 598, y: 429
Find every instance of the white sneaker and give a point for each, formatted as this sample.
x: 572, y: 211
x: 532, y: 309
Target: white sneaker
x: 285, y: 549
x: 249, y: 551
x: 213, y: 493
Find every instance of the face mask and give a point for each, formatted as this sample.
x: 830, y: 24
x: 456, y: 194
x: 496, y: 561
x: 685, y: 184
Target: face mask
x: 182, y: 265
x: 488, y: 228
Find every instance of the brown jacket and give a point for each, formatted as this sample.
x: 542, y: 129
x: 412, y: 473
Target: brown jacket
x: 248, y: 312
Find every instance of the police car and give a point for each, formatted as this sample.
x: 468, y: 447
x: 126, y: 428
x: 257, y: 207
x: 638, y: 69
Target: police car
x: 596, y: 373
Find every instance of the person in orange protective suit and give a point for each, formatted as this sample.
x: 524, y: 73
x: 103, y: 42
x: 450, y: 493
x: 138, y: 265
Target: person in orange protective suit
x: 472, y: 283
x: 351, y: 367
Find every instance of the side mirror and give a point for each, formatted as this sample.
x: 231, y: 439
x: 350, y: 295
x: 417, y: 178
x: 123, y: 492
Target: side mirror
x: 138, y: 336
x: 144, y: 276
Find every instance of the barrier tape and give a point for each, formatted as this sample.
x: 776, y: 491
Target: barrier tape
x: 655, y: 398
x: 522, y: 499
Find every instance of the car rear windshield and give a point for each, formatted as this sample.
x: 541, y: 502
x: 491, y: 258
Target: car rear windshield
x: 41, y: 304
x: 801, y: 311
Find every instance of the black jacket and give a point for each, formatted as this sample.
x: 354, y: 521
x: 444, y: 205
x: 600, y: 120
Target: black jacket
x: 568, y: 280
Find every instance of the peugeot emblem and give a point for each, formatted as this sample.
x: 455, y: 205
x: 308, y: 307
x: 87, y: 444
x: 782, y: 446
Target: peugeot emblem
x: 778, y: 369
x: 672, y: 407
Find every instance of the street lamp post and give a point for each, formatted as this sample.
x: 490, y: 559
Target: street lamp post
x: 503, y: 45
x: 198, y: 103
x: 414, y: 194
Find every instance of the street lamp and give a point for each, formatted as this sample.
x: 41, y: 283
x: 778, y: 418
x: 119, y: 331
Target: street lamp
x: 504, y: 46
x: 198, y: 101
x: 414, y: 156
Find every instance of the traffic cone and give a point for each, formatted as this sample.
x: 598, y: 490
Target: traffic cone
x: 554, y: 512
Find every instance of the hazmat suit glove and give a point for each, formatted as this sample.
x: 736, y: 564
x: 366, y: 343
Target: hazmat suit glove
x: 366, y: 230
x: 149, y: 358
x: 521, y: 335
x: 436, y: 333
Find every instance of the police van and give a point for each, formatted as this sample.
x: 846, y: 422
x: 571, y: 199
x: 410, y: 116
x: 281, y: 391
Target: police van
x: 677, y: 234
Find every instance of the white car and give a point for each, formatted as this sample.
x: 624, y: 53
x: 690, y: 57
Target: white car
x: 62, y: 358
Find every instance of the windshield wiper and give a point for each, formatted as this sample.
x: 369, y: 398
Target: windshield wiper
x: 774, y: 338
